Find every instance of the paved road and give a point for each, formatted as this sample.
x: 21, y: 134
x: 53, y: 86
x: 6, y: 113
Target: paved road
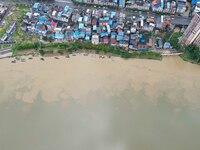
x: 180, y: 20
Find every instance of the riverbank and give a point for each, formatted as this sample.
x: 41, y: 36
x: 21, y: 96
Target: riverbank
x: 191, y: 54
x: 186, y: 58
x: 70, y: 47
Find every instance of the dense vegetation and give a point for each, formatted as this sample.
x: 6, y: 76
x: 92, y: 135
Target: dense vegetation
x: 192, y: 54
x: 174, y: 40
x: 69, y: 47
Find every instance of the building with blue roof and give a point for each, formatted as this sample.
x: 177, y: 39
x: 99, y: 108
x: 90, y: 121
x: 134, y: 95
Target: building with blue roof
x: 81, y: 34
x: 44, y: 8
x: 59, y: 14
x: 42, y: 19
x: 87, y: 38
x: 38, y: 25
x: 194, y: 2
x: 113, y: 13
x: 85, y: 18
x: 59, y: 36
x: 168, y: 5
x: 167, y: 45
x: 110, y: 22
x: 121, y: 3
x: 113, y: 33
x: 66, y: 8
x: 80, y: 25
x: 94, y: 28
x: 88, y: 32
x: 36, y: 6
x: 133, y: 36
x: 162, y: 4
x: 29, y: 14
x: 156, y: 6
x: 120, y: 37
x: 142, y: 40
x: 121, y: 33
x: 76, y: 34
x: 36, y: 30
x: 69, y: 35
x: 104, y: 19
x: 108, y: 29
x: 102, y: 34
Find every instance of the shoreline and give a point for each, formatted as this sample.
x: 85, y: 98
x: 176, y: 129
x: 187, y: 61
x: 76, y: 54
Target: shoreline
x: 70, y: 47
x: 80, y: 55
x: 30, y: 54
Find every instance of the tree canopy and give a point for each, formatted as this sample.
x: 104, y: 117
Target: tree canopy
x: 193, y: 52
x: 174, y: 40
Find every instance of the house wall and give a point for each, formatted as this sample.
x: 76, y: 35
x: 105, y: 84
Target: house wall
x: 197, y: 41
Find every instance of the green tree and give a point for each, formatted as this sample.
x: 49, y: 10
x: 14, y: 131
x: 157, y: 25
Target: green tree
x: 41, y: 51
x: 193, y: 52
x: 174, y: 40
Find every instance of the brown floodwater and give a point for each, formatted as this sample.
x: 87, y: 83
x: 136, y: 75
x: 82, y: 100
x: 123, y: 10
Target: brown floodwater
x: 88, y: 103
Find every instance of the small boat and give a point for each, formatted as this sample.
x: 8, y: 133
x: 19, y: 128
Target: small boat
x: 86, y: 54
x: 101, y: 56
x: 30, y: 58
x: 42, y: 59
x: 13, y: 61
x: 17, y: 58
x: 23, y: 60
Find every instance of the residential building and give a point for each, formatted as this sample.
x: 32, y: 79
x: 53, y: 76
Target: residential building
x: 3, y: 10
x: 197, y: 41
x: 95, y: 39
x: 36, y: 6
x: 138, y: 4
x: 181, y: 6
x: 121, y: 3
x: 196, y: 5
x: 192, y: 32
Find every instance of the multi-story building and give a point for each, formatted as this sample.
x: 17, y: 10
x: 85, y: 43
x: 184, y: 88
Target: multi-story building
x: 192, y: 32
x: 197, y: 41
x: 121, y: 3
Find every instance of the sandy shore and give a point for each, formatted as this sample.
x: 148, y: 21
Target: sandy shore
x: 79, y: 76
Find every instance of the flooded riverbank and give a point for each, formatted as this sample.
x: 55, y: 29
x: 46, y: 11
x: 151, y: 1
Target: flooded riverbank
x: 91, y: 103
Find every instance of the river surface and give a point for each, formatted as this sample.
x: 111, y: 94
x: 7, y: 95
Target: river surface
x: 88, y: 103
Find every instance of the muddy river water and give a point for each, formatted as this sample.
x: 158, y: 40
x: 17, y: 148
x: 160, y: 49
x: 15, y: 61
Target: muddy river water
x: 88, y: 103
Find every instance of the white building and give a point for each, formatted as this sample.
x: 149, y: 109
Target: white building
x: 95, y: 39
